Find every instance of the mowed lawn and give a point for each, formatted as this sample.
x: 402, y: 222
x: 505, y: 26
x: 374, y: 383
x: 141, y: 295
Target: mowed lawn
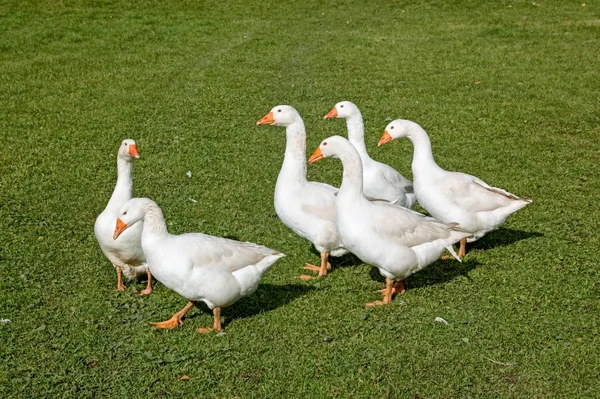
x: 508, y: 91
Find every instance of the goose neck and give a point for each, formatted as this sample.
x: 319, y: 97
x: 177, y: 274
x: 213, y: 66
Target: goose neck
x: 352, y: 178
x: 356, y: 134
x: 124, y: 187
x: 294, y: 162
x: 154, y: 221
x: 423, y: 155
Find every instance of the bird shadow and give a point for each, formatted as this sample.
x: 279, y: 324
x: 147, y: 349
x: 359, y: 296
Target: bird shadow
x: 439, y: 272
x: 266, y: 298
x: 502, y: 237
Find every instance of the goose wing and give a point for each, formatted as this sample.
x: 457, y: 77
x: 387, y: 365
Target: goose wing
x: 210, y: 251
x: 406, y: 227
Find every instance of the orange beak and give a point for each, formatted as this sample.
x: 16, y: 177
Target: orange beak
x: 119, y: 229
x: 266, y: 120
x: 133, y: 152
x: 384, y: 139
x: 316, y: 156
x: 332, y: 114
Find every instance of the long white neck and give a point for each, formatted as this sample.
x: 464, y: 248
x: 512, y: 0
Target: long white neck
x: 352, y: 178
x: 294, y: 162
x: 356, y: 134
x: 423, y: 156
x: 154, y: 221
x: 124, y: 187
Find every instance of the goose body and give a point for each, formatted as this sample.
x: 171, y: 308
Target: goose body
x: 398, y: 241
x: 306, y: 207
x: 453, y: 196
x: 199, y: 267
x: 380, y: 181
x: 126, y: 254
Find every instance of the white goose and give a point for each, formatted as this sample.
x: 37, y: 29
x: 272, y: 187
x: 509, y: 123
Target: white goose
x: 380, y: 181
x: 201, y: 268
x: 453, y: 196
x: 126, y: 254
x: 396, y: 240
x: 306, y: 207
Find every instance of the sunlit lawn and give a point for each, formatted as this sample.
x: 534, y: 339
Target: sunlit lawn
x: 507, y: 90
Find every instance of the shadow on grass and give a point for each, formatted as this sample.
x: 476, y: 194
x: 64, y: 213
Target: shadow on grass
x: 441, y: 272
x: 438, y: 272
x: 267, y: 297
x: 502, y: 238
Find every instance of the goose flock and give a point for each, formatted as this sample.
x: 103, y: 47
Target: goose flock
x: 371, y: 216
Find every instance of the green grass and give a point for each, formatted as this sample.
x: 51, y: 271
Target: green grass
x: 508, y: 91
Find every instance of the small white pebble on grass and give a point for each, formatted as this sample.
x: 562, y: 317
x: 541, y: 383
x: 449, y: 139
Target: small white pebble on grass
x: 189, y: 173
x: 193, y: 200
x: 440, y: 320
x: 4, y: 320
x: 221, y: 334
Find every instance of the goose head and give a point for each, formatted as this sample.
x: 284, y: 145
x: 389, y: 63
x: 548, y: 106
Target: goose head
x: 343, y: 109
x: 330, y: 147
x: 281, y: 115
x: 130, y: 213
x: 396, y: 130
x: 128, y: 150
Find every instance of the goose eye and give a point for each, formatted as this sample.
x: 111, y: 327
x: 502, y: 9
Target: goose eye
x: 125, y: 213
x: 278, y: 110
x: 391, y: 127
x: 324, y: 143
x: 341, y: 106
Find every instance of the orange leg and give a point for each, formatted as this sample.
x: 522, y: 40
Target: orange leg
x: 387, y: 295
x: 148, y: 284
x: 389, y: 285
x: 176, y: 319
x: 399, y: 288
x: 216, y: 322
x: 463, y: 248
x: 120, y: 286
x: 322, y: 270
